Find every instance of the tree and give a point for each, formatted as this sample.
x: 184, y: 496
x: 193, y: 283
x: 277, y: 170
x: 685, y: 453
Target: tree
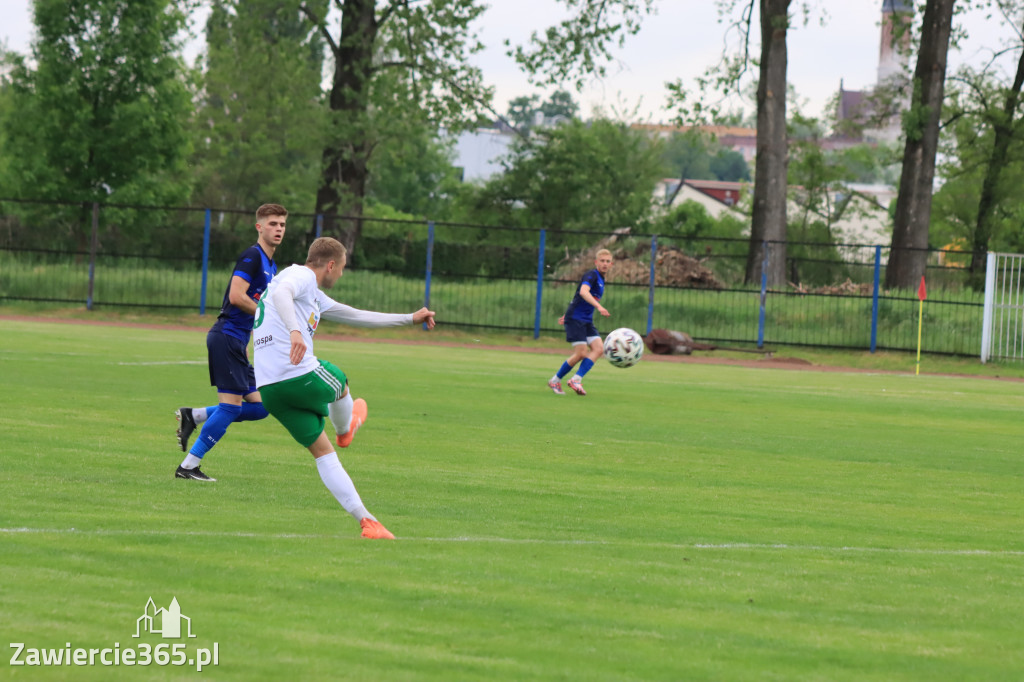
x: 696, y: 155
x: 595, y: 176
x: 391, y: 68
x: 520, y: 111
x: 729, y: 166
x: 579, y: 47
x: 768, y: 222
x: 414, y: 174
x: 1006, y: 123
x: 261, y: 119
x: 908, y: 253
x: 101, y: 107
x: 523, y: 110
x: 560, y: 104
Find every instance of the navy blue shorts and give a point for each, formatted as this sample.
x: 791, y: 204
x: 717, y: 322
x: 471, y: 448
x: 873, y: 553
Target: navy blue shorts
x: 579, y: 332
x: 230, y: 370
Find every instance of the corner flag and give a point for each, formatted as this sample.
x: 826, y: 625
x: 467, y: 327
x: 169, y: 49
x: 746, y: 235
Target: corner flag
x: 922, y: 293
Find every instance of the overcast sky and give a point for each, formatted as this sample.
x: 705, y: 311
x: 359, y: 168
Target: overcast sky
x: 680, y: 41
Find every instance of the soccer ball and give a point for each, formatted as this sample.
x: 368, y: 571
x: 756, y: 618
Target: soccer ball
x: 623, y: 347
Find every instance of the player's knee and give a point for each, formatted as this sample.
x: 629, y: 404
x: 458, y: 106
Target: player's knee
x: 230, y: 410
x: 251, y: 412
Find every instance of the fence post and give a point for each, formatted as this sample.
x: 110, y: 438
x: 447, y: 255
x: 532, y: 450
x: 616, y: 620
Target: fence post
x: 319, y: 225
x: 540, y: 284
x: 206, y: 262
x: 430, y: 266
x: 93, y: 243
x: 874, y: 298
x: 990, y: 297
x: 764, y: 296
x: 650, y: 291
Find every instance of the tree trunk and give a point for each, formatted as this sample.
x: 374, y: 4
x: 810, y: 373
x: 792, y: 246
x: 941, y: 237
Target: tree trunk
x: 339, y: 198
x: 768, y: 225
x: 1003, y: 127
x: 909, y: 249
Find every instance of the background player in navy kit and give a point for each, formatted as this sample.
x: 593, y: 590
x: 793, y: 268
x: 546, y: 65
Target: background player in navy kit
x: 579, y: 325
x: 226, y: 343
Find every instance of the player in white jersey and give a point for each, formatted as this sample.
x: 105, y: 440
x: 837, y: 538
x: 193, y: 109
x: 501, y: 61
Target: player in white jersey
x: 300, y: 390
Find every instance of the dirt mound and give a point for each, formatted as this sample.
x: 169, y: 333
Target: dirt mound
x: 633, y: 266
x: 845, y: 288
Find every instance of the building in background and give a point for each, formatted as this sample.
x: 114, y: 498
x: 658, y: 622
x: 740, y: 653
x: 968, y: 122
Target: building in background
x: 873, y: 114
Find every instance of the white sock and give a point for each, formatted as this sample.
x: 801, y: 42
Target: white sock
x: 198, y: 414
x: 556, y: 378
x: 191, y: 461
x: 340, y: 412
x: 340, y: 484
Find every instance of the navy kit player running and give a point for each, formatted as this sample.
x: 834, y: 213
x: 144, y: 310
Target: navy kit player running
x: 579, y: 325
x: 226, y: 343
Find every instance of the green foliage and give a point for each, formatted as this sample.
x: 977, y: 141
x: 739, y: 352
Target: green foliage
x: 560, y: 103
x: 394, y: 72
x: 580, y: 47
x: 521, y: 110
x: 696, y: 155
x: 260, y: 125
x: 413, y: 173
x: 577, y: 176
x: 101, y: 106
x: 870, y: 164
x: 690, y: 220
x: 975, y: 110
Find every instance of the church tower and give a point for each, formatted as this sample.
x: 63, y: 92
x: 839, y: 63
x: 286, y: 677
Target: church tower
x: 895, y: 44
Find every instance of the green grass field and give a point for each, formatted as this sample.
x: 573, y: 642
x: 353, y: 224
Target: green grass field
x: 681, y: 522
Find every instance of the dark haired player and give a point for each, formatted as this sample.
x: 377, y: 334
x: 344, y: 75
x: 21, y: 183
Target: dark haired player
x: 226, y: 344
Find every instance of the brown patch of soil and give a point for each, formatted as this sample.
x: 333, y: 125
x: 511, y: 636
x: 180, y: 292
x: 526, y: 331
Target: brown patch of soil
x: 672, y: 267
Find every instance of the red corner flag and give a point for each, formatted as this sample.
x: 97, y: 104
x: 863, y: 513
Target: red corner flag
x: 922, y: 293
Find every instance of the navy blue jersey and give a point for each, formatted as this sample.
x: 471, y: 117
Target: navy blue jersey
x: 256, y: 268
x: 580, y: 309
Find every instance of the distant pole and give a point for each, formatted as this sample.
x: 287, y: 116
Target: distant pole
x: 874, y: 299
x: 921, y: 295
x: 540, y: 284
x: 650, y: 292
x: 206, y: 262
x: 319, y: 225
x: 430, y: 267
x: 93, y: 244
x: 764, y: 297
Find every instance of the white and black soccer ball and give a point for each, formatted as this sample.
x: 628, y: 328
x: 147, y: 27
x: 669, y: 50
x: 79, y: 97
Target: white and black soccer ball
x: 623, y: 347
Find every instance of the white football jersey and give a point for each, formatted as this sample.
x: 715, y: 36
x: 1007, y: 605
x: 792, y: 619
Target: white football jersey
x: 296, y: 286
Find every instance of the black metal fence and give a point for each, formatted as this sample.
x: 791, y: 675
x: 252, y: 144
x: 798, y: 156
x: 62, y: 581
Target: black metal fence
x: 490, y: 277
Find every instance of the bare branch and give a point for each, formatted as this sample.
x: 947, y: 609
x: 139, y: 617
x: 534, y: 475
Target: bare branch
x: 321, y: 26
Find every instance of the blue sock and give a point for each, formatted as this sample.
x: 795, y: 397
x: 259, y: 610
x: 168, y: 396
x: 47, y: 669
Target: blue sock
x: 585, y: 366
x: 564, y: 369
x: 252, y: 412
x: 214, y: 428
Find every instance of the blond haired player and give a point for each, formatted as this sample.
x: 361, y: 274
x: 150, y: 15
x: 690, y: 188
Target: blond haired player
x: 300, y: 390
x: 580, y: 330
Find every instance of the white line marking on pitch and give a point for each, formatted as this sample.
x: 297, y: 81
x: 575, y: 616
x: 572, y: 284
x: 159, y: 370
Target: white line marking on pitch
x: 533, y: 541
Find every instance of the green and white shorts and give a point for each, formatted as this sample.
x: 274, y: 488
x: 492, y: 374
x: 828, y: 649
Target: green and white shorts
x: 301, y: 403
